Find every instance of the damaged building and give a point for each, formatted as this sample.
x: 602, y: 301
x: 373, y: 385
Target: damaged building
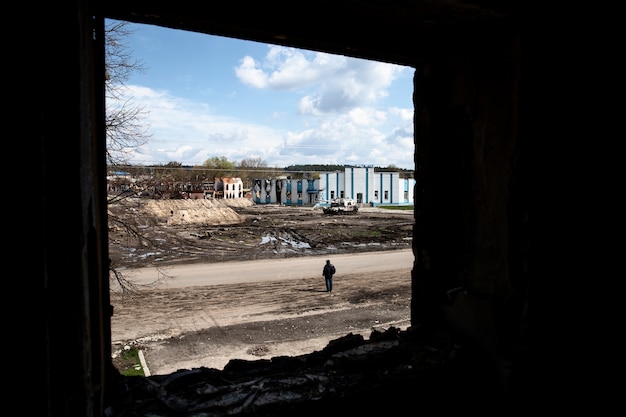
x: 479, y: 115
x: 362, y: 184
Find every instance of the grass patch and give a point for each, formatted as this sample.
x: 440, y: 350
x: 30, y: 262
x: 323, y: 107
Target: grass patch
x: 411, y: 207
x: 127, y: 362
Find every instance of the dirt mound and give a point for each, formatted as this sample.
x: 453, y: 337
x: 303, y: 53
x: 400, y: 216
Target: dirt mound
x: 195, y: 212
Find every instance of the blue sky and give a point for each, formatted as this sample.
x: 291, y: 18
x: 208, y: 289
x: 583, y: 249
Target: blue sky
x: 209, y: 96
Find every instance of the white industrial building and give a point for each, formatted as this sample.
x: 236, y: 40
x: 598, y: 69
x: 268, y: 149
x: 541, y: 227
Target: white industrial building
x: 360, y: 183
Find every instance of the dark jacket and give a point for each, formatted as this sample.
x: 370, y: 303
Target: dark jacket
x: 328, y: 271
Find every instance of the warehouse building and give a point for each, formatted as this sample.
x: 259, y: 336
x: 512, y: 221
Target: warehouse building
x: 360, y: 183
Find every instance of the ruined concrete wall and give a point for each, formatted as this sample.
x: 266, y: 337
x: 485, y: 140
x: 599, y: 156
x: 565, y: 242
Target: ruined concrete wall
x: 469, y: 235
x: 65, y: 290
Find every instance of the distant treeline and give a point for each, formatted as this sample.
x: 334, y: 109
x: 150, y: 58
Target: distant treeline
x: 178, y: 171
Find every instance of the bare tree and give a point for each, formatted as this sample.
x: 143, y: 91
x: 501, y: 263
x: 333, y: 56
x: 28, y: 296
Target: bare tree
x: 250, y: 169
x: 256, y: 162
x: 125, y: 130
x: 125, y: 127
x: 120, y: 281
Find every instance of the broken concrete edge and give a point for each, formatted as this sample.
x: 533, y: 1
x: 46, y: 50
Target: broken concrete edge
x: 432, y: 363
x: 142, y: 361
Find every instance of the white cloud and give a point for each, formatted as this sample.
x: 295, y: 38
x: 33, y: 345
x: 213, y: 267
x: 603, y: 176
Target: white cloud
x: 353, y: 138
x: 405, y: 114
x: 337, y: 101
x: 249, y: 74
x: 189, y: 132
x: 309, y: 105
x: 330, y: 83
x: 367, y: 116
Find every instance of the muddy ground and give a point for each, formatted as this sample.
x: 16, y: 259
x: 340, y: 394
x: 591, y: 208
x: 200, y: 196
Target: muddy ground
x: 264, y: 320
x: 185, y: 231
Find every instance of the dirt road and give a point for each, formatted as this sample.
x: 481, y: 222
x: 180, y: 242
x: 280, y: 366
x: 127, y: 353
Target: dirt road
x: 191, y: 275
x: 206, y: 315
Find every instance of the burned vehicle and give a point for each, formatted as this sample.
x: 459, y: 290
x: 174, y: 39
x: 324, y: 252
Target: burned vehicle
x: 342, y: 206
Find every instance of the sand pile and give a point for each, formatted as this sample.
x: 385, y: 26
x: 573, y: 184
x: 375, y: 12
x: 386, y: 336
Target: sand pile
x: 204, y: 212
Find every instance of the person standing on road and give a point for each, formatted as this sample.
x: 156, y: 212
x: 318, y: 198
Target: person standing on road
x: 327, y: 273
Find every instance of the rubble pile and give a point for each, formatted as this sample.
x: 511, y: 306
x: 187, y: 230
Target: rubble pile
x: 361, y: 376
